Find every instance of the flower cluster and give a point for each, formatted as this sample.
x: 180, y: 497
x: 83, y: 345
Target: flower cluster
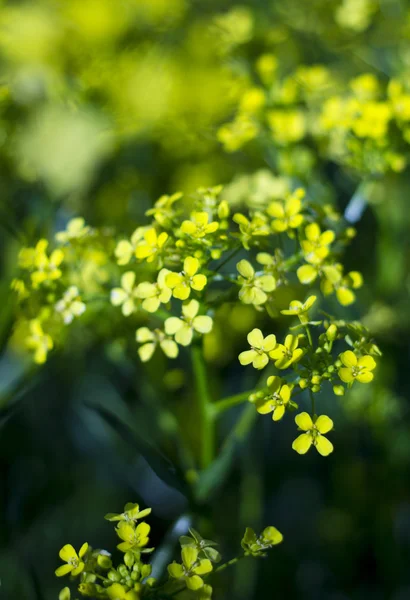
x: 93, y: 573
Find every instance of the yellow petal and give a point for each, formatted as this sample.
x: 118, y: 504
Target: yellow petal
x: 304, y: 421
x: 63, y: 570
x: 346, y: 375
x: 324, y: 424
x: 176, y: 570
x: 189, y: 556
x: 345, y: 296
x: 203, y: 324
x: 278, y: 413
x: 143, y: 334
x: 191, y: 265
x: 67, y: 553
x: 306, y: 274
x: 269, y: 343
x: 172, y: 325
x: 245, y: 358
x: 198, y: 282
x: 245, y: 269
x: 83, y: 550
x: 205, y: 566
x: 312, y: 232
x: 302, y: 443
x: 184, y: 335
x: 169, y: 348
x: 348, y: 358
x: 276, y: 210
x: 173, y: 279
x: 146, y: 351
x: 367, y: 362
x: 255, y: 338
x: 182, y: 291
x: 365, y: 377
x: 194, y: 582
x: 285, y: 393
x: 260, y: 361
x: 190, y: 310
x: 323, y: 446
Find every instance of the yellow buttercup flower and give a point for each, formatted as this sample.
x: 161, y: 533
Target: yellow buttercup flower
x: 151, y: 339
x: 38, y: 341
x: 134, y: 537
x: 355, y: 368
x: 182, y: 283
x: 314, y: 434
x: 277, y: 399
x: 299, y: 309
x: 74, y: 565
x: 126, y: 296
x: 151, y: 245
x: 261, y: 346
x: 254, y: 288
x: 288, y: 353
x: 287, y: 215
x: 199, y: 226
x: 191, y: 569
x: 183, y: 328
x: 316, y: 245
x: 76, y: 229
x: 154, y: 294
x: 70, y: 305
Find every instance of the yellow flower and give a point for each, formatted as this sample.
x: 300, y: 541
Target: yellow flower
x: 256, y: 227
x: 253, y: 287
x: 288, y: 353
x: 76, y: 229
x: 74, y: 563
x: 256, y: 545
x: 46, y: 267
x: 126, y: 295
x: 39, y: 341
x: 238, y: 133
x: 28, y: 256
x: 335, y: 282
x: 151, y: 245
x: 163, y: 210
x: 191, y: 569
x: 316, y: 245
x: 277, y: 399
x: 260, y: 349
x: 288, y: 126
x: 135, y: 537
x: 296, y: 308
x: 70, y: 305
x: 182, y: 283
x: 153, y: 294
x: 183, y: 328
x: 131, y: 512
x: 252, y: 101
x: 125, y: 249
x: 287, y: 215
x: 198, y: 226
x: 314, y: 434
x: 355, y: 368
x: 150, y: 340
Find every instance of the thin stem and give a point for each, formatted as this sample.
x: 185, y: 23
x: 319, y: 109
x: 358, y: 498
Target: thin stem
x: 231, y: 562
x: 227, y: 259
x: 204, y: 406
x: 309, y: 335
x: 312, y: 399
x: 226, y: 403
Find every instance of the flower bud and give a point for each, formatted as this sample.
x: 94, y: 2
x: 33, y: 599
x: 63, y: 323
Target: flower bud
x: 129, y: 559
x: 338, y: 390
x: 331, y: 332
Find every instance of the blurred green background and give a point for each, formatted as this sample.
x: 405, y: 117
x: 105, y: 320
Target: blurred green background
x: 104, y: 106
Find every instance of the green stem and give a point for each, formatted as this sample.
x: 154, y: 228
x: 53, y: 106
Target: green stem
x: 231, y: 562
x: 312, y: 399
x: 309, y: 335
x: 204, y: 406
x: 226, y: 403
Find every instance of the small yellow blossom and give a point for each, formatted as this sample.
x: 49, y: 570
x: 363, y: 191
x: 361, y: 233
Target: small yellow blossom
x: 134, y: 537
x: 256, y: 545
x: 125, y: 249
x: 199, y: 226
x: 76, y: 229
x: 183, y: 328
x: 288, y: 353
x: 191, y: 569
x: 260, y: 349
x: 297, y: 308
x: 254, y: 287
x: 342, y: 286
x: 70, y: 305
x: 277, y: 399
x: 131, y: 512
x: 355, y: 368
x: 316, y: 245
x: 238, y: 133
x: 151, y: 244
x: 182, y: 283
x: 28, y: 257
x: 252, y: 101
x: 74, y: 565
x: 150, y: 339
x: 154, y: 294
x: 288, y: 126
x: 45, y: 268
x: 266, y: 66
x: 126, y: 296
x: 163, y: 210
x: 38, y: 341
x: 256, y: 227
x: 287, y: 215
x: 314, y: 434
x: 116, y: 591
